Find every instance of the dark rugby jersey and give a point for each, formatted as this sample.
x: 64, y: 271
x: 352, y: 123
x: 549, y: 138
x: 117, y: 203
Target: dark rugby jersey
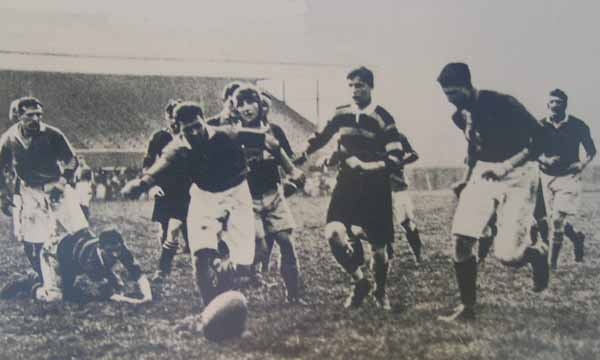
x: 397, y: 175
x: 501, y: 127
x: 216, y: 165
x: 264, y: 167
x: 563, y: 140
x: 79, y: 254
x: 38, y: 160
x: 176, y: 183
x: 369, y: 134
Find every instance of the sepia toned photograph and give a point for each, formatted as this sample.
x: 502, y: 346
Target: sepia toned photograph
x: 299, y: 179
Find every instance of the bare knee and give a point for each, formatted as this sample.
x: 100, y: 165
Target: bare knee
x: 336, y: 231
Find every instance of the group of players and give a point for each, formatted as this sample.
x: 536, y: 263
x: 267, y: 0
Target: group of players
x: 222, y: 184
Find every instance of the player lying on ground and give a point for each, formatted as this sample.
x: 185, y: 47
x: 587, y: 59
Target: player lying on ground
x: 171, y: 196
x: 274, y: 220
x: 502, y: 137
x: 361, y: 202
x: 214, y: 160
x: 85, y: 254
x: 44, y: 163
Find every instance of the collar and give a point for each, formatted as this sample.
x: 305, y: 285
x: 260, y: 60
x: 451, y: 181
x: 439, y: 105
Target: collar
x: 560, y: 123
x: 25, y: 141
x: 367, y: 110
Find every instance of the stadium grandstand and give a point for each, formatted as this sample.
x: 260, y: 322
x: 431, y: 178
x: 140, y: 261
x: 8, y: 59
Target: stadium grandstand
x: 109, y: 118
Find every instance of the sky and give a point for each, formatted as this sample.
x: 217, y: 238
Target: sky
x: 524, y: 48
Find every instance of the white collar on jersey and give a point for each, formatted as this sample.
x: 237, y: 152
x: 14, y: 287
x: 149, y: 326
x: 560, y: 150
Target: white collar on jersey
x: 561, y: 122
x: 367, y: 110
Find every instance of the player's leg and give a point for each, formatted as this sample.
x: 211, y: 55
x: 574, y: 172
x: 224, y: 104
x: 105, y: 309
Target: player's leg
x: 558, y: 227
x: 404, y: 215
x: 32, y: 251
x: 51, y: 288
x: 577, y: 238
x: 350, y: 255
x: 172, y: 232
x: 380, y: 269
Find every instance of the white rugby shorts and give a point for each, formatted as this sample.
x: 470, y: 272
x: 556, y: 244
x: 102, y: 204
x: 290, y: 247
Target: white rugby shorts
x: 402, y: 207
x: 205, y: 229
x: 561, y: 193
x: 512, y: 199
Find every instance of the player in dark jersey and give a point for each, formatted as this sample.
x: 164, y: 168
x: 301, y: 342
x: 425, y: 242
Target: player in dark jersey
x: 560, y: 173
x: 274, y: 220
x: 220, y: 217
x: 44, y: 164
x: 361, y: 201
x: 83, y: 253
x: 170, y: 194
x: 501, y: 182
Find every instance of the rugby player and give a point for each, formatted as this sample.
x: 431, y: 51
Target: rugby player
x: 502, y: 137
x: 274, y: 220
x: 83, y: 253
x: 170, y: 194
x: 361, y: 202
x: 560, y: 172
x: 220, y: 218
x: 44, y: 164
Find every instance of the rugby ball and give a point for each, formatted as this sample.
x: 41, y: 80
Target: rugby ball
x: 225, y: 316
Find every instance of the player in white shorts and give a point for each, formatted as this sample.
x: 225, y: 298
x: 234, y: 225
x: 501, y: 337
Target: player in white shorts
x: 44, y: 164
x: 220, y: 216
x: 560, y: 172
x: 502, y: 137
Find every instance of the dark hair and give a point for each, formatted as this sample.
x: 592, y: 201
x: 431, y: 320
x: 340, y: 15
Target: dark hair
x: 247, y: 93
x: 363, y: 74
x: 455, y: 74
x: 110, y: 240
x: 229, y: 89
x: 171, y: 106
x: 187, y: 111
x: 28, y: 102
x: 559, y: 94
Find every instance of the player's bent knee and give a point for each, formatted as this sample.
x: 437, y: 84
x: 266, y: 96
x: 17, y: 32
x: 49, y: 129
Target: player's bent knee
x: 335, y: 230
x: 463, y: 247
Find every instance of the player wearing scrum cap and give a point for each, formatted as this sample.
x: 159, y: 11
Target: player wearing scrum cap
x: 44, y: 163
x: 274, y: 220
x: 220, y: 218
x: 560, y: 172
x: 502, y: 138
x: 170, y: 194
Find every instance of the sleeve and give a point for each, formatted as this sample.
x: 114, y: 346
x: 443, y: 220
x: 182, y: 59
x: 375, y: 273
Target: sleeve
x: 174, y: 155
x: 321, y: 138
x: 588, y: 142
x: 155, y: 146
x: 6, y: 157
x: 66, y: 155
x: 410, y: 155
x: 283, y: 140
x: 130, y: 264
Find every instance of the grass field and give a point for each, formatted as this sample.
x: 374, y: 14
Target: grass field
x: 561, y: 323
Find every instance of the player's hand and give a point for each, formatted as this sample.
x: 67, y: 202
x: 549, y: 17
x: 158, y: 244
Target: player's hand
x: 156, y: 192
x: 56, y: 190
x: 497, y: 173
x: 548, y: 161
x: 118, y: 297
x: 299, y: 160
x: 576, y: 168
x: 354, y: 163
x: 295, y: 182
x: 224, y: 266
x: 271, y: 142
x: 458, y: 187
x: 133, y: 189
x: 322, y: 162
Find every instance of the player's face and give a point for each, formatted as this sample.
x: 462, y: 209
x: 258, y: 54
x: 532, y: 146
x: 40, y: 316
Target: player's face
x: 249, y: 111
x: 361, y: 91
x: 194, y: 131
x: 557, y: 105
x: 31, y: 120
x: 457, y: 95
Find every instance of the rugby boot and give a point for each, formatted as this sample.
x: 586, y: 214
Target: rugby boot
x: 360, y: 291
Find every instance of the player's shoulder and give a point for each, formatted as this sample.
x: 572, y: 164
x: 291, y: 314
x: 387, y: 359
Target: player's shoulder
x: 343, y: 110
x: 11, y: 133
x: 161, y: 134
x: 52, y: 130
x: 384, y: 115
x: 577, y: 121
x: 491, y: 97
x: 177, y: 146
